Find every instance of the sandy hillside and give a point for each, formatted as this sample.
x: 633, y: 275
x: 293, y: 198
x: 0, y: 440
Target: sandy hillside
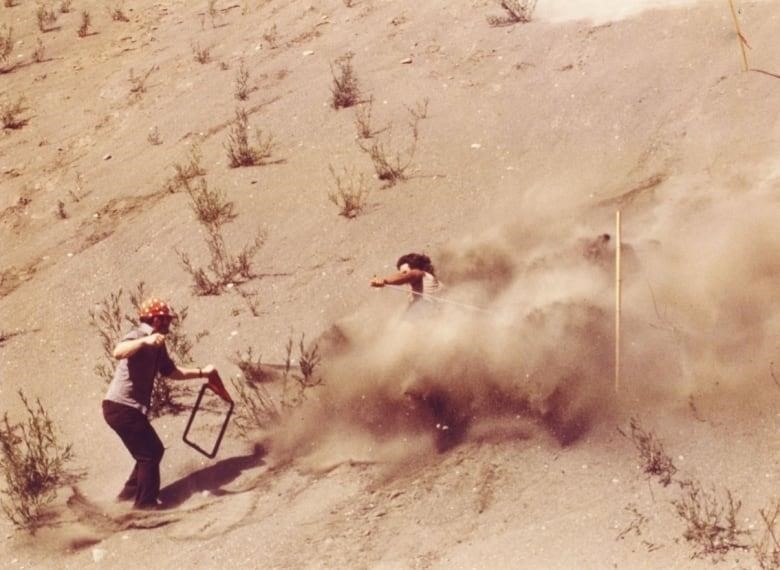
x: 490, y: 434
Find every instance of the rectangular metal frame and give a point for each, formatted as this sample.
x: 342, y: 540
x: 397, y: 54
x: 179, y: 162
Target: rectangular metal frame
x: 195, y: 409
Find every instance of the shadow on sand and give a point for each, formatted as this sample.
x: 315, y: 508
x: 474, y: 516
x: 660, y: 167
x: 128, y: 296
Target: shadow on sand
x: 211, y: 478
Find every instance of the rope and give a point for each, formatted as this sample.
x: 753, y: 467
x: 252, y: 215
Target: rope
x: 438, y: 299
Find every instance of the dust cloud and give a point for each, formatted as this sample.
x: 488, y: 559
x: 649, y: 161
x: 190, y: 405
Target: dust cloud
x: 524, y: 329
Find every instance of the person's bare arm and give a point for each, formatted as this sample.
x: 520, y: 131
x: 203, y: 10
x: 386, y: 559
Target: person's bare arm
x: 209, y: 372
x: 400, y: 278
x: 181, y: 373
x: 128, y: 348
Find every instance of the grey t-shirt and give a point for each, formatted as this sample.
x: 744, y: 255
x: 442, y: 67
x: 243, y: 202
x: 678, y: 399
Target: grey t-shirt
x: 134, y: 376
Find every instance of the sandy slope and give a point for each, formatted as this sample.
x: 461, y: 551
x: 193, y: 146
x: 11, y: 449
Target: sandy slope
x: 534, y: 135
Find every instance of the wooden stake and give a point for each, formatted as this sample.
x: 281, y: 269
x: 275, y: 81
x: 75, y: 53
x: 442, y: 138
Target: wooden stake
x: 740, y: 37
x: 618, y: 282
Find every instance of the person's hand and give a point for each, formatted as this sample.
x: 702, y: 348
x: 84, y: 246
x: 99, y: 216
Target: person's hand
x: 215, y: 383
x: 155, y: 339
x: 377, y: 282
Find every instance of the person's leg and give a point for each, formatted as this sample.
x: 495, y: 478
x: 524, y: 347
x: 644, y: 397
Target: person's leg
x: 142, y: 442
x: 130, y: 489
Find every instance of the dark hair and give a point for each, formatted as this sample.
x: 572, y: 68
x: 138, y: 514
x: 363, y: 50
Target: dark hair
x: 416, y: 261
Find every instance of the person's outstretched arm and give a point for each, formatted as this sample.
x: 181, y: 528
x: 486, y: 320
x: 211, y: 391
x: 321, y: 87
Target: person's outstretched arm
x: 400, y: 278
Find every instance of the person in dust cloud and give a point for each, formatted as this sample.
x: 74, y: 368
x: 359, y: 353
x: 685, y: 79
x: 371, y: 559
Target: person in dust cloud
x: 417, y: 271
x: 141, y: 355
x: 436, y: 406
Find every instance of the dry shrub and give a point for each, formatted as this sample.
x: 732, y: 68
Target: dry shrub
x: 138, y: 83
x: 213, y: 211
x: 389, y: 167
x: 345, y: 90
x: 201, y: 54
x: 154, y: 137
x: 11, y: 114
x: 271, y: 37
x: 250, y: 367
x: 46, y: 17
x: 39, y: 53
x: 33, y: 463
x: 767, y: 548
x: 65, y: 6
x: 6, y: 48
x: 239, y: 151
x: 516, y: 12
x: 712, y: 525
x: 185, y: 172
x: 117, y: 14
x: 86, y: 21
x: 350, y: 193
x: 260, y: 405
x: 9, y: 3
x: 363, y: 120
x: 211, y: 207
x: 241, y: 90
x: 655, y: 461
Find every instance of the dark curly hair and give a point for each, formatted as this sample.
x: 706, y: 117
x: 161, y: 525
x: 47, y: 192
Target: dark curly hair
x: 416, y: 261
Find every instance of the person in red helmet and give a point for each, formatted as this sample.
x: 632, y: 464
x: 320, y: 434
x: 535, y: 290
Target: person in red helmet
x: 141, y: 355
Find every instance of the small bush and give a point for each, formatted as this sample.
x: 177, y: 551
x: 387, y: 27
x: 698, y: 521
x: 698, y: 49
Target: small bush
x: 201, y: 54
x: 138, y: 83
x: 213, y: 211
x: 186, y: 172
x: 240, y: 153
x: 210, y: 206
x: 154, y: 137
x: 223, y: 268
x: 259, y: 405
x: 86, y: 21
x: 767, y: 548
x: 33, y: 463
x: 515, y: 12
x: 9, y: 3
x: 271, y: 37
x: 39, y: 53
x: 117, y: 14
x: 363, y: 120
x: 250, y: 366
x: 257, y: 408
x: 655, y: 461
x: 712, y: 525
x: 65, y: 6
x: 345, y: 90
x: 46, y: 17
x: 241, y: 90
x: 11, y: 114
x: 394, y: 168
x: 350, y: 193
x: 6, y: 48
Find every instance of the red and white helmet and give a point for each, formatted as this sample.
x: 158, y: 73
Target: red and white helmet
x: 155, y: 307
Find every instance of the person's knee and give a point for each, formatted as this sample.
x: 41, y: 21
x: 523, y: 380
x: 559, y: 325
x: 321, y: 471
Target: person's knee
x: 152, y: 454
x: 159, y: 450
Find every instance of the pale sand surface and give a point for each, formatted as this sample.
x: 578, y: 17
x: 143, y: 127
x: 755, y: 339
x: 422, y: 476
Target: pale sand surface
x: 534, y: 136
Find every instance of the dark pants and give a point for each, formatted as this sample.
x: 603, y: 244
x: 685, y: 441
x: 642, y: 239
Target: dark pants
x: 142, y: 442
